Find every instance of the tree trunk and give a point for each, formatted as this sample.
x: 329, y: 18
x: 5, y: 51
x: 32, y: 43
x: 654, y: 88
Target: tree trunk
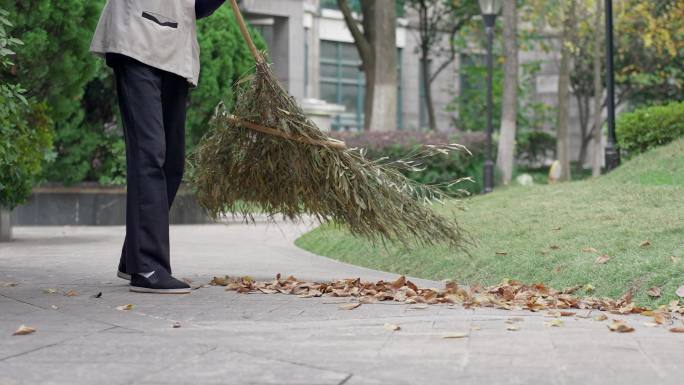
x: 384, y: 42
x: 377, y: 48
x: 5, y: 225
x: 427, y: 91
x: 509, y: 113
x: 562, y: 133
x: 598, y: 94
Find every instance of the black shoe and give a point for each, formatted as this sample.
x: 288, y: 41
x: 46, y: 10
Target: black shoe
x: 121, y: 272
x: 158, y: 283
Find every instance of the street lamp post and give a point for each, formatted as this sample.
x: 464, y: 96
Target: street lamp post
x: 612, y: 152
x: 490, y: 9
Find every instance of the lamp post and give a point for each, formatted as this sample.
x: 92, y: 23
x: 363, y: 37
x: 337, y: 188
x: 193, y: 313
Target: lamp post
x: 612, y: 152
x: 490, y: 9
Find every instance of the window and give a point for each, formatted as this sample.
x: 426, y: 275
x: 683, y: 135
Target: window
x: 355, y: 5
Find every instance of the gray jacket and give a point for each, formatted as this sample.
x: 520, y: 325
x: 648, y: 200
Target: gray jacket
x: 159, y: 33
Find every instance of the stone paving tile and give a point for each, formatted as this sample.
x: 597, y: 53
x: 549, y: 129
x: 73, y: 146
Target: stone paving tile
x: 230, y: 338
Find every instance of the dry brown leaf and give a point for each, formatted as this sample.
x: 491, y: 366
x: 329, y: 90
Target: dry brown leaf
x: 567, y: 313
x: 654, y: 292
x: 8, y: 284
x: 554, y: 323
x: 645, y: 243
x: 677, y: 329
x: 23, y: 330
x: 391, y: 327
x: 125, y: 307
x: 674, y: 259
x: 399, y: 282
x: 601, y: 259
x: 349, y: 306
x: 71, y: 293
x: 554, y: 247
x: 456, y: 335
x: 589, y: 250
x: 553, y: 313
x: 500, y: 252
x: 601, y: 317
x: 620, y: 327
x: 680, y: 292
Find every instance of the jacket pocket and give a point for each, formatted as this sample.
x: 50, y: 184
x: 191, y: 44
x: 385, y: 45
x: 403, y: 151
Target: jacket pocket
x: 160, y: 20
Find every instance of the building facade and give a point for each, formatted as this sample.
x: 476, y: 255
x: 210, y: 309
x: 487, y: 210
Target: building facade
x: 315, y: 57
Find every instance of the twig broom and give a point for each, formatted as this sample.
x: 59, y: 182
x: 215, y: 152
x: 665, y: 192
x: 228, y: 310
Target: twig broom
x: 267, y: 153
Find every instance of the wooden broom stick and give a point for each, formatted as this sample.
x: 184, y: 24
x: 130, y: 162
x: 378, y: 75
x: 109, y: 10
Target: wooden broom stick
x: 332, y: 143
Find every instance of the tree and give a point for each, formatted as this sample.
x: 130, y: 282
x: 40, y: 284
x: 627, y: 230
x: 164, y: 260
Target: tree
x: 377, y: 48
x: 509, y: 114
x: 24, y: 128
x: 562, y: 122
x: 437, y: 18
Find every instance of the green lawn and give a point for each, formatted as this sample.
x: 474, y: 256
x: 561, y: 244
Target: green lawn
x: 543, y: 230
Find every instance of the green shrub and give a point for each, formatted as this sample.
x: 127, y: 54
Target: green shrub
x: 436, y: 170
x: 534, y: 147
x: 25, y: 128
x: 649, y: 127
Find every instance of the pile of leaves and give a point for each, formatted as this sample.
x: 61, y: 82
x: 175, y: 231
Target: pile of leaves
x: 236, y: 168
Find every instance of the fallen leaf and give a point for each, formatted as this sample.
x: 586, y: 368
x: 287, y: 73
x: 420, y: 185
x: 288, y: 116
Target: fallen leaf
x: 553, y: 313
x: 677, y: 329
x: 71, y: 293
x: 554, y: 323
x: 589, y: 250
x: 554, y: 247
x: 98, y: 295
x: 680, y: 292
x: 601, y: 259
x: 401, y: 281
x: 601, y: 317
x: 54, y: 307
x: 125, y: 307
x: 513, y: 320
x: 392, y: 327
x: 674, y: 259
x: 513, y: 328
x: 567, y: 313
x: 589, y: 288
x: 176, y: 325
x: 654, y: 292
x: 501, y: 252
x: 419, y: 306
x: 349, y: 306
x: 23, y: 330
x: 650, y: 324
x: 620, y: 327
x: 645, y: 243
x: 49, y: 291
x: 556, y: 228
x: 8, y: 284
x: 456, y: 335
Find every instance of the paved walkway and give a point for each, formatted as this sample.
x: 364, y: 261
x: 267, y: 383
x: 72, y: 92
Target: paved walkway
x: 229, y: 338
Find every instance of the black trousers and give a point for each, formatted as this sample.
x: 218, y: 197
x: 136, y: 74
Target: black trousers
x: 153, y: 104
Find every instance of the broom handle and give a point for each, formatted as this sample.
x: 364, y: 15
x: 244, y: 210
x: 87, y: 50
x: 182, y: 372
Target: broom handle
x: 330, y: 143
x: 245, y: 32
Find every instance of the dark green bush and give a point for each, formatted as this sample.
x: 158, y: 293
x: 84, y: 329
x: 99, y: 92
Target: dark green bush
x: 649, y: 127
x: 439, y: 169
x: 534, y: 147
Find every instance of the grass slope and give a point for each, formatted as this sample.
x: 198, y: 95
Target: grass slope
x: 642, y: 200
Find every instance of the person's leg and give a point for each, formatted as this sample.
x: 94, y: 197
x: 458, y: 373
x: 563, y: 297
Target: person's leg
x: 147, y: 240
x: 174, y: 95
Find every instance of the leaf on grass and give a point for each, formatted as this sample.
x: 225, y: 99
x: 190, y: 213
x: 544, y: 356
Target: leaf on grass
x: 513, y: 328
x: 680, y: 292
x: 674, y: 259
x: 23, y: 330
x: 620, y: 327
x: 589, y: 288
x: 654, y: 292
x: 556, y: 228
x: 391, y: 327
x: 554, y: 247
x: 589, y: 250
x: 677, y: 329
x: 601, y: 317
x: 554, y: 323
x: 645, y: 243
x: 50, y: 291
x: 125, y: 307
x: 500, y: 252
x: 601, y: 259
x: 8, y: 284
x: 349, y: 306
x: 456, y: 335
